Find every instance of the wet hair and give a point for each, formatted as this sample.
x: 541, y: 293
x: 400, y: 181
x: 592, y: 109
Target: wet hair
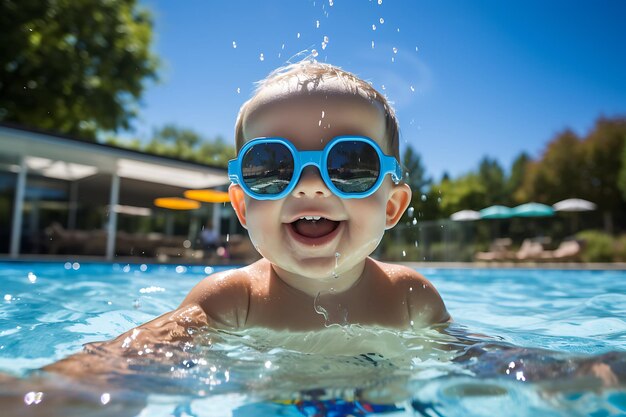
x: 309, y: 75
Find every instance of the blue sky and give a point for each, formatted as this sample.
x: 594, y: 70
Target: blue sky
x: 467, y: 78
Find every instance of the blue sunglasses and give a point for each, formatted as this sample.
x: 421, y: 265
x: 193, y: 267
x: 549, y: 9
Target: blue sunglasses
x: 351, y: 167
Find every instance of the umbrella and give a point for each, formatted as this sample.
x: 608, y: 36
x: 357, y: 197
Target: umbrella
x: 496, y: 212
x: 574, y: 204
x: 176, y: 203
x: 533, y: 210
x: 465, y: 215
x: 208, y: 196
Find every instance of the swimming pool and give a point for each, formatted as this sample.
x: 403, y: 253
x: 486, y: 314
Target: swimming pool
x: 524, y: 342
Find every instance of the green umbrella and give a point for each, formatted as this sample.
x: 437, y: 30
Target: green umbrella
x: 496, y: 212
x: 533, y: 210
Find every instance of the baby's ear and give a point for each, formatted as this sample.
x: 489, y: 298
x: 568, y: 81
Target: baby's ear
x: 237, y: 200
x: 398, y: 201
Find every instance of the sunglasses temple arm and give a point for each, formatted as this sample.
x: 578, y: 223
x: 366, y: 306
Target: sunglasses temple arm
x: 393, y: 167
x: 233, y: 166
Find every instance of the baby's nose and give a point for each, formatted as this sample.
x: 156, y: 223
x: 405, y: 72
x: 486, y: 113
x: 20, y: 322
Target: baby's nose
x: 310, y: 184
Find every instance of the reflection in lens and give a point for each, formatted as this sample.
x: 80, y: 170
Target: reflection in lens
x: 353, y: 166
x: 267, y: 168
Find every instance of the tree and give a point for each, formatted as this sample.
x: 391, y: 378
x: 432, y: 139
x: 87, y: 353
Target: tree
x: 516, y: 179
x: 602, y: 160
x: 557, y: 175
x: 182, y: 143
x: 415, y: 171
x: 492, y: 176
x: 73, y: 66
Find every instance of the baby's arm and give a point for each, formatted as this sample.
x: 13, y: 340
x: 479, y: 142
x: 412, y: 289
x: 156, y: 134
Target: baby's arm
x: 215, y: 302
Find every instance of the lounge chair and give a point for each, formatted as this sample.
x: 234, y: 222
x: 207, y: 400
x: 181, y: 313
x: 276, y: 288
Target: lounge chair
x: 531, y: 250
x: 499, y: 250
x: 568, y: 250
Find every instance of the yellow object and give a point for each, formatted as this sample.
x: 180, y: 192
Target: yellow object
x: 208, y: 196
x: 176, y: 203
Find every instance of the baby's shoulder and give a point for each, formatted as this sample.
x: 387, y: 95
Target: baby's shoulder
x: 400, y: 275
x: 225, y: 296
x: 422, y: 298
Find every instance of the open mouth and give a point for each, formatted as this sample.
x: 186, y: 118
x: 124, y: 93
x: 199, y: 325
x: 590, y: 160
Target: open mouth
x: 314, y: 227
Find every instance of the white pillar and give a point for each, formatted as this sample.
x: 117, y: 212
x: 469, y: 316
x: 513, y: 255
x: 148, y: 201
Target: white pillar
x: 72, y: 206
x: 18, y: 209
x: 112, y: 224
x: 217, y: 218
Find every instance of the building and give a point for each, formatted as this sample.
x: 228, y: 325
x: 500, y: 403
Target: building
x: 60, y: 195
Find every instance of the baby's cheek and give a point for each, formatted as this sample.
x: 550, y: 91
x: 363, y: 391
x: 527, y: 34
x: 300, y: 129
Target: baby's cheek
x: 263, y: 224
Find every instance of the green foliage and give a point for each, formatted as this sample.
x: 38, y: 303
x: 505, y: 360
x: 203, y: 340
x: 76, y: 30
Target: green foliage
x: 182, y: 143
x: 73, y: 66
x: 621, y: 180
x: 465, y: 192
x: 598, y: 246
x: 491, y: 176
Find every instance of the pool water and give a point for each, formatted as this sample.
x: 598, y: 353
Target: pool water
x: 524, y: 342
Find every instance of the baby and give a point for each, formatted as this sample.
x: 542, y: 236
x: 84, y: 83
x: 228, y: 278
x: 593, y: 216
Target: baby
x: 316, y: 183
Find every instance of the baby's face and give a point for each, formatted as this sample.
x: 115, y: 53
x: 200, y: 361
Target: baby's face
x: 347, y: 230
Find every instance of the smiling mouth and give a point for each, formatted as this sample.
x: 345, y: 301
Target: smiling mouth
x: 314, y: 226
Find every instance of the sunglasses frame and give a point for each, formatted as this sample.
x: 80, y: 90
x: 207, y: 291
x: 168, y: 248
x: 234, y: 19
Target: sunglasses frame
x: 302, y: 159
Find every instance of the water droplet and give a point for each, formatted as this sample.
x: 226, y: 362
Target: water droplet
x: 381, y: 20
x: 227, y: 237
x: 326, y: 39
x: 416, y: 49
x: 410, y: 211
x: 372, y: 44
x: 317, y: 24
x: 314, y: 53
x: 337, y: 255
x: 238, y: 90
x: 398, y: 30
x: 416, y: 244
x: 403, y: 253
x: 268, y: 364
x: 32, y: 277
x: 412, y: 89
x: 75, y: 266
x: 414, y: 221
x: 105, y: 398
x: 393, y: 59
x: 283, y: 46
x: 234, y: 45
x: 380, y: 2
x: 373, y: 27
x: 8, y: 297
x: 298, y: 35
x: 330, y: 3
x: 324, y: 45
x: 395, y: 50
x: 136, y: 304
x: 383, y: 87
x: 322, y: 114
x: 261, y: 57
x: 319, y: 123
x: 424, y: 197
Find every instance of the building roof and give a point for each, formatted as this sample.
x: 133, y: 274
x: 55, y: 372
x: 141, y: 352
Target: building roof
x: 62, y: 157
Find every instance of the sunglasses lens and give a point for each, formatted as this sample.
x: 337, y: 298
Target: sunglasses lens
x: 267, y: 168
x: 353, y: 166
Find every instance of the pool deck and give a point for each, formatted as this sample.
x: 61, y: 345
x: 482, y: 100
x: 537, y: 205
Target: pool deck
x: 616, y: 266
